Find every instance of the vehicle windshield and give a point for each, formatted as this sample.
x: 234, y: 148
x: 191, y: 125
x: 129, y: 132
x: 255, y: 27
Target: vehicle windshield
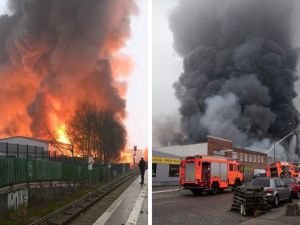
x: 261, y: 182
x: 289, y: 180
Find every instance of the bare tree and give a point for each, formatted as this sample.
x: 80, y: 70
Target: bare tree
x: 96, y: 132
x: 111, y: 135
x: 63, y: 148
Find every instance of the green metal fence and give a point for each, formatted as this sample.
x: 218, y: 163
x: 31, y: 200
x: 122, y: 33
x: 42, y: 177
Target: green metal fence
x: 18, y: 170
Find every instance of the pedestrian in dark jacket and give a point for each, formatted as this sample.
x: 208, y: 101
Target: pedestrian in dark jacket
x: 142, y: 166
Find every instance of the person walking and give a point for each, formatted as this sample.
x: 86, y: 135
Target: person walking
x: 142, y: 166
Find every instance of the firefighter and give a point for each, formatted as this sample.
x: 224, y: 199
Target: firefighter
x: 142, y: 166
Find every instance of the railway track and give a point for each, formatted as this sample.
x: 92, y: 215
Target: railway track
x: 72, y: 210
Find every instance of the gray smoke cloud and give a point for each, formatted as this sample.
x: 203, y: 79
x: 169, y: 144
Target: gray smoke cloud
x: 166, y: 131
x: 239, y: 69
x: 54, y: 54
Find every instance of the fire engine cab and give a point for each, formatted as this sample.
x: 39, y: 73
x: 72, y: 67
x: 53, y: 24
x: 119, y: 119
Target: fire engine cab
x: 282, y: 169
x: 209, y: 173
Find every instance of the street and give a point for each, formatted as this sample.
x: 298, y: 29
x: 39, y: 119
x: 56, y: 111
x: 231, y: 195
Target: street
x: 182, y: 207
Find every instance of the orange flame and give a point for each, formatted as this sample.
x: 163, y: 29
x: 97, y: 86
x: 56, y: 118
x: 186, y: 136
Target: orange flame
x: 126, y: 157
x: 43, y: 83
x: 61, y: 134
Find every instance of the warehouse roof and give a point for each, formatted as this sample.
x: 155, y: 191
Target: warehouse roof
x: 29, y: 138
x: 183, y: 150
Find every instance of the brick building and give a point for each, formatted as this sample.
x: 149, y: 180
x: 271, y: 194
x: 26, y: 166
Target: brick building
x: 251, y: 159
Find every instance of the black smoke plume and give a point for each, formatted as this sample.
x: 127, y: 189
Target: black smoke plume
x: 56, y: 53
x: 239, y: 69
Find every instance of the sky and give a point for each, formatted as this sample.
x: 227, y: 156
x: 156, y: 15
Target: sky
x: 137, y: 106
x: 167, y: 65
x: 136, y: 47
x: 3, y: 6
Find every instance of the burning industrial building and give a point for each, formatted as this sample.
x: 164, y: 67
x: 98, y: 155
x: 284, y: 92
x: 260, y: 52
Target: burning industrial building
x: 54, y: 54
x: 239, y: 69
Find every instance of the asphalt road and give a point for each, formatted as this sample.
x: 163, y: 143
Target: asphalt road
x: 183, y: 208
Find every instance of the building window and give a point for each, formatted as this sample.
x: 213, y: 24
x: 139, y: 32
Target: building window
x: 230, y: 167
x: 241, y: 168
x: 246, y: 157
x: 262, y: 159
x: 154, y: 165
x: 254, y: 158
x: 250, y: 158
x: 173, y: 170
x: 241, y: 156
x: 234, y: 155
x: 235, y: 168
x: 258, y: 158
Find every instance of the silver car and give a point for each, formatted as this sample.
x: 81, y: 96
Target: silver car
x: 276, y: 190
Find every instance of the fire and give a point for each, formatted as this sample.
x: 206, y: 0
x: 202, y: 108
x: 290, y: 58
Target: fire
x: 61, y: 134
x: 46, y: 72
x: 126, y: 157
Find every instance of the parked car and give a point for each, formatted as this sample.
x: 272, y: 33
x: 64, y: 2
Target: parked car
x: 275, y: 188
x: 259, y: 173
x: 292, y: 182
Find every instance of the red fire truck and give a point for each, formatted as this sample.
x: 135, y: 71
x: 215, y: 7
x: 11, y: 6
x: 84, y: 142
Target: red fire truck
x: 209, y: 173
x: 282, y: 169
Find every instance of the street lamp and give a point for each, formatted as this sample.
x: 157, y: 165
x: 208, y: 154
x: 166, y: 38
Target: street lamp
x: 134, y: 154
x: 282, y: 139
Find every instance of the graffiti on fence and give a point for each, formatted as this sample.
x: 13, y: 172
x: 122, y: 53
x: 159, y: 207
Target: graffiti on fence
x: 17, y: 199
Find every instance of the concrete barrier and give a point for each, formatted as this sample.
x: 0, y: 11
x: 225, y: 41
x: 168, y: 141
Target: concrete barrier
x: 15, y: 196
x: 14, y: 199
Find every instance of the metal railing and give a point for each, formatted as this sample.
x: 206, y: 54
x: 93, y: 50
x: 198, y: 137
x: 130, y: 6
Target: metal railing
x: 22, y: 151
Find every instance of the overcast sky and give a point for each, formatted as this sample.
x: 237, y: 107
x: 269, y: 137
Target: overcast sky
x: 3, y: 8
x: 137, y: 105
x: 167, y: 66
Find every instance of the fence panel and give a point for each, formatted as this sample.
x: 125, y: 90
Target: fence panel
x: 12, y: 171
x: 44, y: 170
x: 20, y: 170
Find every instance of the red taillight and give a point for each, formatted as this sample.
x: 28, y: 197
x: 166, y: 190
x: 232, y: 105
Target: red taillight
x: 270, y: 190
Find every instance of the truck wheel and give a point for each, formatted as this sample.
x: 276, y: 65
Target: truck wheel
x: 214, y: 188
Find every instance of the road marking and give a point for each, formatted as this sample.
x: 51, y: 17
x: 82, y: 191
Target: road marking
x: 171, y: 190
x: 134, y: 215
x: 108, y: 213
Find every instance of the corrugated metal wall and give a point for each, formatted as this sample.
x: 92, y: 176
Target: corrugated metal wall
x: 18, y: 170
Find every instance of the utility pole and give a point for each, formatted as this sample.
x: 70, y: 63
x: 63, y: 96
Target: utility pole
x: 282, y: 139
x: 274, y: 151
x: 134, y: 154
